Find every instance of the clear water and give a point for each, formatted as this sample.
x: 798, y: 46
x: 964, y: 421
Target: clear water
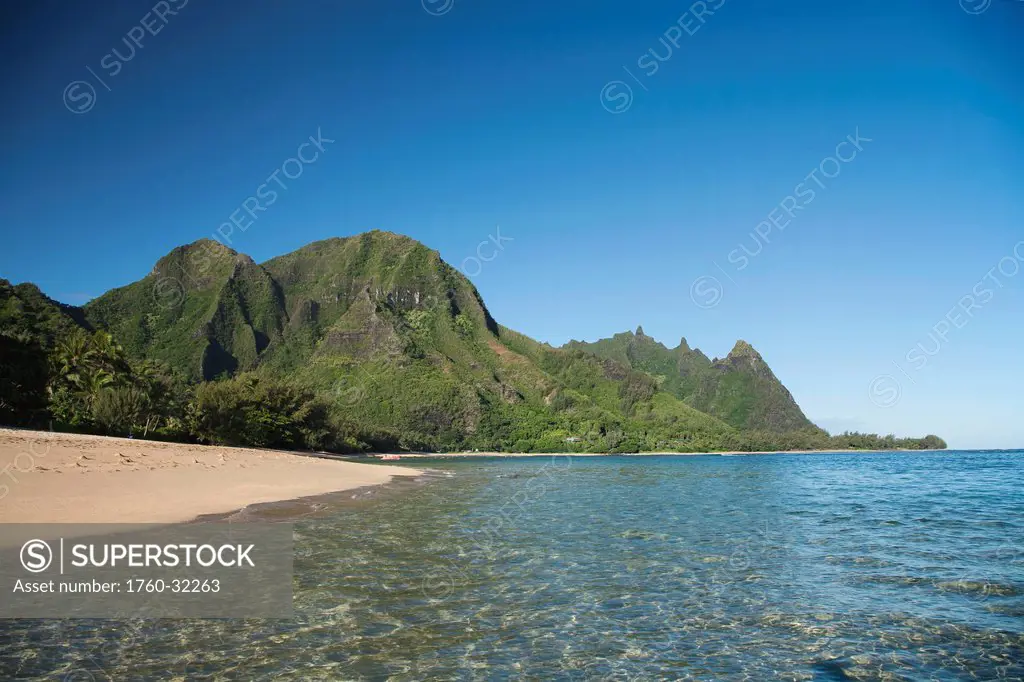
x: 787, y: 567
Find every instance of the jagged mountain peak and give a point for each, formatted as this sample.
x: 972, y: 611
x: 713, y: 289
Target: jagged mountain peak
x: 206, y: 248
x: 740, y: 388
x: 197, y: 265
x: 742, y: 349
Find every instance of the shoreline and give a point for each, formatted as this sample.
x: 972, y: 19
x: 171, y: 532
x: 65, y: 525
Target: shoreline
x: 312, y: 506
x: 460, y: 455
x: 54, y: 477
x: 58, y: 477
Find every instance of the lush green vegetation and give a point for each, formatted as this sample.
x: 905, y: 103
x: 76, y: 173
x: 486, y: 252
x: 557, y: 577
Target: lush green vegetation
x: 24, y: 372
x: 93, y: 386
x: 73, y: 379
x: 254, y: 410
x: 370, y: 343
x: 739, y: 389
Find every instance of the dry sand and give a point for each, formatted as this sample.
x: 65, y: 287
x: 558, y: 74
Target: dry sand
x: 70, y: 478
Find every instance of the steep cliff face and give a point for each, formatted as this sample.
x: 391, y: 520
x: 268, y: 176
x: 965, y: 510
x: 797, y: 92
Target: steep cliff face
x: 375, y: 293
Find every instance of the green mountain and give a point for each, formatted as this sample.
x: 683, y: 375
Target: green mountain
x: 205, y: 310
x: 30, y: 324
x: 27, y: 312
x: 373, y: 341
x: 740, y: 389
x: 398, y: 341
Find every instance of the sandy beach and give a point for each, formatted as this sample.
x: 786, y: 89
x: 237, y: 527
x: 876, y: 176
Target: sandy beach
x: 50, y: 477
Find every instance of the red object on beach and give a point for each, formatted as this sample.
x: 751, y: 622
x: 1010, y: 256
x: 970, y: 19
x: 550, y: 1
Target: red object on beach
x: 391, y: 457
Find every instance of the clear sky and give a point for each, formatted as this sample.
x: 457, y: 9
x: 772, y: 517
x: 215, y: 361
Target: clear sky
x: 623, y: 180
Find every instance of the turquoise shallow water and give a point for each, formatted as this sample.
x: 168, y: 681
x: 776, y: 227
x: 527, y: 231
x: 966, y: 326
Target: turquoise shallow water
x: 889, y: 566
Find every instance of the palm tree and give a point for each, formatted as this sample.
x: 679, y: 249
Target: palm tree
x: 71, y: 355
x: 105, y: 353
x: 88, y: 364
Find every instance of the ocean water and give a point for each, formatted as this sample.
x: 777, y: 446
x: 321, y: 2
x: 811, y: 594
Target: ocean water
x: 888, y: 566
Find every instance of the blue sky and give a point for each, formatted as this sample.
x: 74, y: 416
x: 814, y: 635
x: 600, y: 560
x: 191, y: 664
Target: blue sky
x: 450, y: 119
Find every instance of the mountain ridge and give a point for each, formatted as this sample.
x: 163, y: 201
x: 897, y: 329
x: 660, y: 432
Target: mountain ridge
x: 402, y: 352
x: 740, y: 388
